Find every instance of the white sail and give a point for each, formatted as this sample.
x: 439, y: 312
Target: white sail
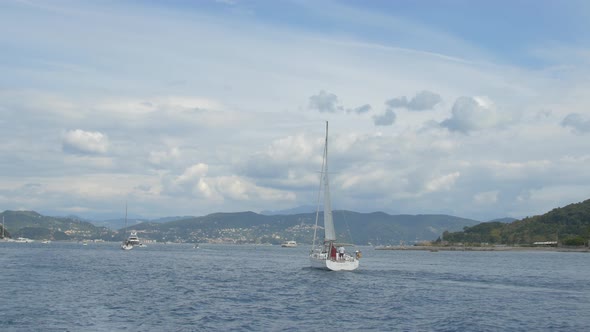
x: 330, y: 233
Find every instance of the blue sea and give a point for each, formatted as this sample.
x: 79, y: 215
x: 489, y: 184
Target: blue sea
x: 175, y: 287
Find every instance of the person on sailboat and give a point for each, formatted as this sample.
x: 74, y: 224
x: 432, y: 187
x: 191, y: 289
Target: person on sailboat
x: 333, y: 252
x: 341, y: 252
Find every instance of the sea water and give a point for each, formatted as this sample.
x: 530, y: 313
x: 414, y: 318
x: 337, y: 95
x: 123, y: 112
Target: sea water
x: 175, y: 287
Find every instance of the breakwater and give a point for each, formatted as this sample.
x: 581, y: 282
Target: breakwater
x: 484, y: 248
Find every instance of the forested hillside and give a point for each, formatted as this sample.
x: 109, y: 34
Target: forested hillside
x: 32, y: 225
x: 569, y: 225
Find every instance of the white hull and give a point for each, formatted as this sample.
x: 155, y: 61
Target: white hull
x: 126, y: 246
x: 319, y: 261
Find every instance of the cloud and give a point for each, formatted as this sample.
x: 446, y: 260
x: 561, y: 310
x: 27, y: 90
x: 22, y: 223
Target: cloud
x: 159, y: 158
x: 361, y: 109
x: 397, y: 102
x: 192, y: 182
x: 286, y: 160
x: 472, y: 114
x: 84, y: 142
x: 424, y: 100
x: 385, y: 119
x: 486, y: 198
x: 577, y: 122
x: 195, y: 172
x: 227, y: 2
x: 442, y: 183
x: 324, y: 102
x: 195, y: 183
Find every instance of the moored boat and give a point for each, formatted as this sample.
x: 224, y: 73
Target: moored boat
x: 289, y: 244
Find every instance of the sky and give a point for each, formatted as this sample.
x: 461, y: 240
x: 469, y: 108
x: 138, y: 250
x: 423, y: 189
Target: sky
x: 474, y: 109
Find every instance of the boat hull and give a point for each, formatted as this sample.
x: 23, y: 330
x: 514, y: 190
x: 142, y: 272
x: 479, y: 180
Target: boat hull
x: 334, y: 265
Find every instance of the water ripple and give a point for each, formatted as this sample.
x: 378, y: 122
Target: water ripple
x: 69, y: 287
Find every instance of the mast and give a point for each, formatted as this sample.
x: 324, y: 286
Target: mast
x: 317, y: 212
x: 329, y: 232
x: 125, y: 235
x: 2, y: 226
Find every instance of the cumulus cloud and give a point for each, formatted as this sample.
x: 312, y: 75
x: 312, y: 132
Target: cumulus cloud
x: 385, y: 119
x: 324, y: 102
x: 192, y: 181
x: 241, y: 189
x: 577, y: 122
x: 195, y: 182
x: 283, y: 158
x: 361, y: 109
x: 159, y: 158
x: 422, y: 101
x: 442, y: 183
x: 195, y: 172
x: 397, y: 102
x: 84, y: 142
x: 472, y: 114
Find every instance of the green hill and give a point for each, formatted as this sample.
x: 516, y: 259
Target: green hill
x: 569, y: 225
x: 33, y: 225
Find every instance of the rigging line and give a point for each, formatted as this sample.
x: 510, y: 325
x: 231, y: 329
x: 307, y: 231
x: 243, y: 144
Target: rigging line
x: 347, y: 227
x: 317, y: 213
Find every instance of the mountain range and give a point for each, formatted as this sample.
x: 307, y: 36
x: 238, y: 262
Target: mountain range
x: 570, y: 225
x: 243, y: 227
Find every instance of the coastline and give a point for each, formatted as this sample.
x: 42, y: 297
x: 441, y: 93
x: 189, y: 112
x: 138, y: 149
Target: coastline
x: 494, y: 248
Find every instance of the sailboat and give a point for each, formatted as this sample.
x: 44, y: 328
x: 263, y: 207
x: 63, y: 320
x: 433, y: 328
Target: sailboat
x: 329, y: 255
x: 126, y: 245
x: 3, y: 227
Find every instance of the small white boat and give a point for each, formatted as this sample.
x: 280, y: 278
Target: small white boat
x: 126, y: 246
x: 23, y: 240
x: 329, y: 255
x: 289, y: 244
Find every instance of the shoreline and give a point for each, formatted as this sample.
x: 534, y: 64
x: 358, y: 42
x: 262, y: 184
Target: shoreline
x: 495, y: 248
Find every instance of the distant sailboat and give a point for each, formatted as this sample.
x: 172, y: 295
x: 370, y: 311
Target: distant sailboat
x: 126, y: 245
x: 329, y: 254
